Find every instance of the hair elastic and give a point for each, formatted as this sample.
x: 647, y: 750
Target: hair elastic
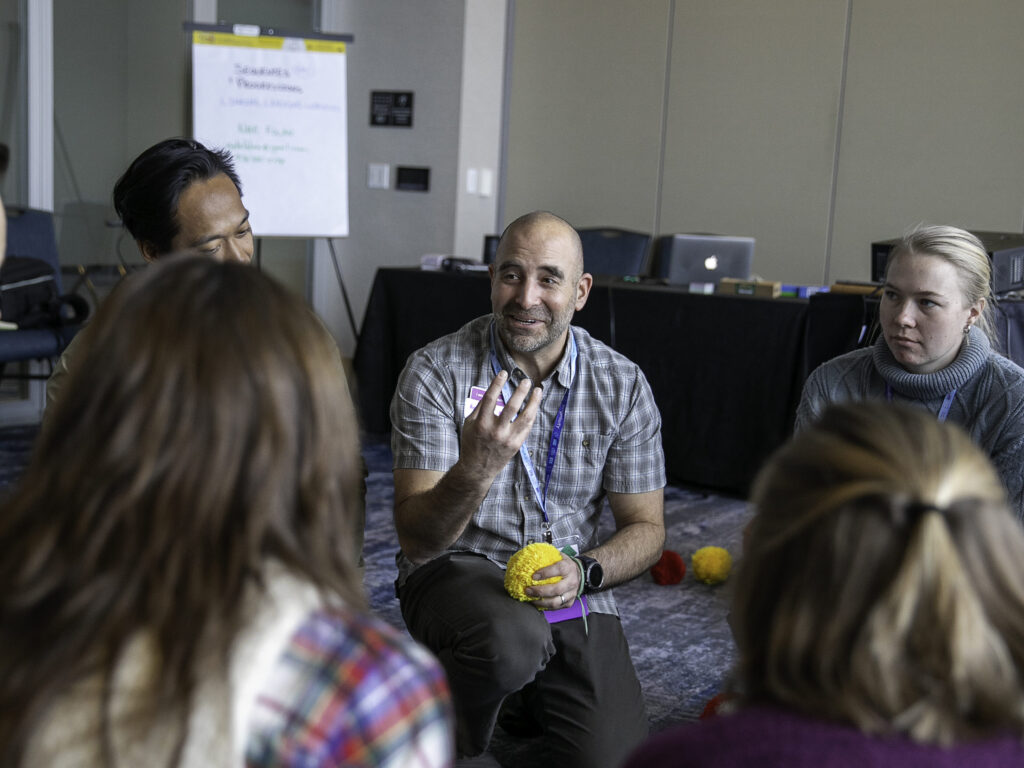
x: 916, y: 510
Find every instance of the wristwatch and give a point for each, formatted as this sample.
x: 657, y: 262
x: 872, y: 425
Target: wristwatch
x: 593, y: 573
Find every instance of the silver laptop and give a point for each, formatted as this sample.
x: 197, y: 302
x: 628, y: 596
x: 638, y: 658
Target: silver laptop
x: 708, y: 258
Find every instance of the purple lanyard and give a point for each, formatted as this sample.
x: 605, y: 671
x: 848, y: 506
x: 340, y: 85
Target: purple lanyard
x: 541, y: 492
x: 947, y: 401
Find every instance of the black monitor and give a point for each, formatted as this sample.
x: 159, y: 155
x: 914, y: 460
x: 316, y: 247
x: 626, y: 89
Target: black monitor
x: 490, y: 248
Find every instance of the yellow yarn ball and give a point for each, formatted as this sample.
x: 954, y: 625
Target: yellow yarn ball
x: 711, y: 564
x: 524, y: 563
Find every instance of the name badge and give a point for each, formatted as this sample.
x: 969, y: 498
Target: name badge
x: 476, y: 394
x: 578, y: 610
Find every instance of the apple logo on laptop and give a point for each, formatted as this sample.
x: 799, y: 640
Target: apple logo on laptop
x: 711, y: 263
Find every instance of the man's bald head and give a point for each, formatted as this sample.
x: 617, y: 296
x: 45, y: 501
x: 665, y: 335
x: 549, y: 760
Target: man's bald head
x: 544, y: 226
x: 537, y: 283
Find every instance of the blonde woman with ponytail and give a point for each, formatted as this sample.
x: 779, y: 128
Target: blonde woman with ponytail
x: 879, y: 607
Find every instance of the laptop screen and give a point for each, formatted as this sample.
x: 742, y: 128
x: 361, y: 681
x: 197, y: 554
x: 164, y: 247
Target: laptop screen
x: 708, y: 258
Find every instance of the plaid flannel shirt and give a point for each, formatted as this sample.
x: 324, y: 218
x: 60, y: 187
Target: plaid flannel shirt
x: 350, y: 690
x: 610, y: 441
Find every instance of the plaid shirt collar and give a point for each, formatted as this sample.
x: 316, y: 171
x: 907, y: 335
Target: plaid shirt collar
x: 563, y: 370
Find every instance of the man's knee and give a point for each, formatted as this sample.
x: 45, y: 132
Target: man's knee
x: 508, y: 652
x: 459, y: 609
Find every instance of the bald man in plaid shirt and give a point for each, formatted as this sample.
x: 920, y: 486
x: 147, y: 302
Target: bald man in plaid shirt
x: 516, y: 429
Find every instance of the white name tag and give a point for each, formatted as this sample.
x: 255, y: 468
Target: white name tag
x: 476, y: 394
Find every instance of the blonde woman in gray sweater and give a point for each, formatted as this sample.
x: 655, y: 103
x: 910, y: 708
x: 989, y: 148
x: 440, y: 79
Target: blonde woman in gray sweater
x: 935, y: 350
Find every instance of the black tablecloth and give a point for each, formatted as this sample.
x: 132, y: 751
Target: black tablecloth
x: 726, y: 372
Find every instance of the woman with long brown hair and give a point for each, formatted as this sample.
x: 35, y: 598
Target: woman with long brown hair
x: 177, y: 579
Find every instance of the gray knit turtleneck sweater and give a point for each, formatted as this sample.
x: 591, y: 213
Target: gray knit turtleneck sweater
x: 989, y: 400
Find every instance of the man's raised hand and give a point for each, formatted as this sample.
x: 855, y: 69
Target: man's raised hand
x: 490, y: 440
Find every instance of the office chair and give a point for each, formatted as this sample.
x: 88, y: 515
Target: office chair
x: 613, y: 251
x: 30, y: 233
x: 490, y: 248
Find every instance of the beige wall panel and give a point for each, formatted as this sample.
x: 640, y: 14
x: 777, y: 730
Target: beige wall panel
x: 585, y: 110
x: 751, y: 131
x: 934, y: 127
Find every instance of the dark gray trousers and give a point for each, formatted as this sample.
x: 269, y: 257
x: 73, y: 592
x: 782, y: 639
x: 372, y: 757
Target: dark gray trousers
x: 581, y: 687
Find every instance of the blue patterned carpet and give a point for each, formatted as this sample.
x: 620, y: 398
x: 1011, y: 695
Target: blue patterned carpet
x: 678, y: 635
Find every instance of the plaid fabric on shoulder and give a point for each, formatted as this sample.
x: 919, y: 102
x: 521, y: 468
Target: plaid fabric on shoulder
x: 350, y: 690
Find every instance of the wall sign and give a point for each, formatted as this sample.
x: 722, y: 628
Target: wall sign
x: 391, y: 108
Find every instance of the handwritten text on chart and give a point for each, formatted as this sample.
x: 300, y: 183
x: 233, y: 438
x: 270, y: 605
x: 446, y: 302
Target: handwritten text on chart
x: 260, y: 78
x: 268, y: 144
x: 255, y: 103
x: 269, y: 130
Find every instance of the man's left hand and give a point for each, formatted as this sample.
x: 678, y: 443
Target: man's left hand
x: 559, y: 594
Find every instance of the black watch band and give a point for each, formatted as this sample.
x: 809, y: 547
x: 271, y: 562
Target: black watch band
x: 593, y: 573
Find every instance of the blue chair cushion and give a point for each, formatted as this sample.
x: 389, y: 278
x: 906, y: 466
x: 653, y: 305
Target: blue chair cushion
x: 36, y: 344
